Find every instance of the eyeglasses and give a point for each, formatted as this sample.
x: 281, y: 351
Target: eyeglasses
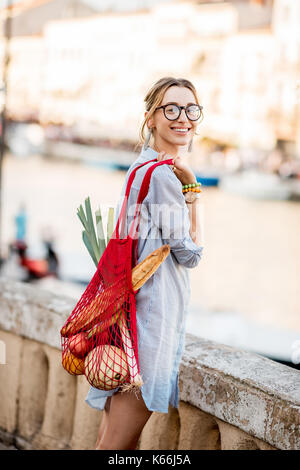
x: 172, y: 111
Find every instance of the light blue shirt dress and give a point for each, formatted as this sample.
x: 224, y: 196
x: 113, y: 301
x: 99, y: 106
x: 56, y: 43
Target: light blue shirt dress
x: 162, y: 302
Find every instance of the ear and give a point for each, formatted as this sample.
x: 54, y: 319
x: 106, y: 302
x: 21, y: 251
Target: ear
x: 150, y: 122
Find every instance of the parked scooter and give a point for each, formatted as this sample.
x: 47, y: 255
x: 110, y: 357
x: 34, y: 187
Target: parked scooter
x: 37, y: 268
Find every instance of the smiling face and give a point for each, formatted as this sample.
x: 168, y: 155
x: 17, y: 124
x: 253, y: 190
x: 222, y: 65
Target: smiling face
x: 166, y: 134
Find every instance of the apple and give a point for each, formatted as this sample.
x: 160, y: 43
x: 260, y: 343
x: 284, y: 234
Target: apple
x: 78, y: 345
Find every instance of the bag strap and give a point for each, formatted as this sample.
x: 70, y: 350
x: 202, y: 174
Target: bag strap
x: 143, y: 192
x: 124, y: 205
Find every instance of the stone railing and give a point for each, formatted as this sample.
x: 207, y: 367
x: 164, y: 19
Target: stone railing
x: 230, y: 399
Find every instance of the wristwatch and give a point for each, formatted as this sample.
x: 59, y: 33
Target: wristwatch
x: 191, y: 197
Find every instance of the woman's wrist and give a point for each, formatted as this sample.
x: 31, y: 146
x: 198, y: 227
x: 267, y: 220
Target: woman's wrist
x: 188, y: 179
x: 193, y: 203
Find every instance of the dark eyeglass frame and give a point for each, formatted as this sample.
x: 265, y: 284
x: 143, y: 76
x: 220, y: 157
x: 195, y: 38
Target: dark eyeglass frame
x: 180, y: 108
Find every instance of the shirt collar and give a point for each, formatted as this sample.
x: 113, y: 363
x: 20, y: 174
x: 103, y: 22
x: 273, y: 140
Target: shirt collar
x: 148, y: 154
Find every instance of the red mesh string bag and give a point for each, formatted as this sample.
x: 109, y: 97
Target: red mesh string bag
x: 99, y: 339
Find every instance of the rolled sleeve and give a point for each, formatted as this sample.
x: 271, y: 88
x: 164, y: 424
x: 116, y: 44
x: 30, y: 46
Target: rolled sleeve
x: 168, y: 211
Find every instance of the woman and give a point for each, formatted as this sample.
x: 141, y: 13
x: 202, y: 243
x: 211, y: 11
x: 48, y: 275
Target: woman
x: 162, y: 302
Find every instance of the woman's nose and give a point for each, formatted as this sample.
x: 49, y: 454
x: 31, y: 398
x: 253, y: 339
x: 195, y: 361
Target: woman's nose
x: 182, y: 116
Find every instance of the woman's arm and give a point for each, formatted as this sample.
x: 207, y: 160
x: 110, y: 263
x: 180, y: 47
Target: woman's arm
x: 186, y: 175
x: 168, y: 211
x: 195, y: 224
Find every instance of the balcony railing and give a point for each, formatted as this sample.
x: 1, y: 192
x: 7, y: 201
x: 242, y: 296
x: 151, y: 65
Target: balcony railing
x: 229, y: 398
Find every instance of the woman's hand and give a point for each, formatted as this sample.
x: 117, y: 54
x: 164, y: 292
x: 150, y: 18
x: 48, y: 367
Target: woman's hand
x: 183, y: 172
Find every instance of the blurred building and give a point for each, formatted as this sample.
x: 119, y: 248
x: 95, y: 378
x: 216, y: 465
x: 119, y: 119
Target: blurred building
x: 25, y: 77
x: 74, y: 81
x: 30, y: 16
x: 285, y: 83
x: 91, y: 72
x: 253, y: 14
x: 243, y: 112
x: 102, y: 63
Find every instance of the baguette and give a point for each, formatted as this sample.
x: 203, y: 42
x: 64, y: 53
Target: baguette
x: 144, y: 270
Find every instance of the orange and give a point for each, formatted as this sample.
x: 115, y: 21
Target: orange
x: 72, y: 364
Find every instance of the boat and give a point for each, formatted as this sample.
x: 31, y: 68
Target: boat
x: 258, y: 185
x: 207, y: 180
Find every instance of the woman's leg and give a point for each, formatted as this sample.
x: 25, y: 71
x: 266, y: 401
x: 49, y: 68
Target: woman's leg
x: 127, y: 417
x: 104, y: 421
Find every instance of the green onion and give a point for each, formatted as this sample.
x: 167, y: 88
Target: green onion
x: 95, y: 244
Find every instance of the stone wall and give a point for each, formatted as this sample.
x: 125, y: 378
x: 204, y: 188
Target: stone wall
x: 229, y: 399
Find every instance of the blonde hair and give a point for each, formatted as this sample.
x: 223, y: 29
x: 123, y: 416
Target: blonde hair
x: 155, y: 95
